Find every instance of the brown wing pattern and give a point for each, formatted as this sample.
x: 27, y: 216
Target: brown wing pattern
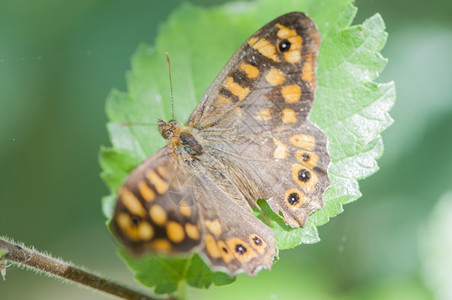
x: 234, y: 240
x: 256, y: 119
x: 272, y: 73
x: 156, y: 209
x: 162, y: 208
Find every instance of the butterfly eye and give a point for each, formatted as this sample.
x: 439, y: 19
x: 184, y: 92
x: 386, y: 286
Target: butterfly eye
x: 284, y: 45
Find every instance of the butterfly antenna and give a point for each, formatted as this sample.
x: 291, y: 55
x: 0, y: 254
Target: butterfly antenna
x: 132, y: 123
x: 171, y: 84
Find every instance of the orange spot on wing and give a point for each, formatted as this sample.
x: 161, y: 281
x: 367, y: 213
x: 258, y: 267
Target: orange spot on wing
x: 281, y: 150
x: 275, y: 77
x: 291, y: 93
x: 251, y: 71
x: 175, y: 232
x: 226, y: 254
x: 285, y: 32
x: 308, y: 72
x: 236, y: 89
x: 146, y: 192
x: 192, y: 231
x: 263, y: 115
x: 211, y: 246
x: 145, y: 231
x: 265, y: 48
x: 159, y: 184
x: 222, y: 100
x: 303, y: 141
x: 158, y: 214
x: 308, y: 159
x: 185, y: 209
x: 163, y: 172
x: 214, y: 227
x: 131, y: 202
x: 161, y: 245
x: 289, y: 116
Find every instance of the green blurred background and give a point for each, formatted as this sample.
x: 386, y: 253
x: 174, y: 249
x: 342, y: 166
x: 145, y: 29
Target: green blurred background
x: 58, y: 62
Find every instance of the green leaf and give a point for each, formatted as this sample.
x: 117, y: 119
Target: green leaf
x: 163, y: 273
x: 199, y: 275
x: 349, y: 107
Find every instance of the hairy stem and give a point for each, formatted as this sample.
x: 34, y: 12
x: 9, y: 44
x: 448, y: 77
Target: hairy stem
x: 33, y: 259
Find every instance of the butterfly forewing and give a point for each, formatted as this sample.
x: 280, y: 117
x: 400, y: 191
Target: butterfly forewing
x: 156, y: 208
x: 272, y: 73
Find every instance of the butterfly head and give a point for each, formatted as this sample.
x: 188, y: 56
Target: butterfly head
x: 179, y: 136
x: 167, y: 129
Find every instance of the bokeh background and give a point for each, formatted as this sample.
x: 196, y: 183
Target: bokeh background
x: 58, y: 62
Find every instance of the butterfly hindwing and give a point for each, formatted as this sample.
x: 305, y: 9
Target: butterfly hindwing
x: 234, y: 240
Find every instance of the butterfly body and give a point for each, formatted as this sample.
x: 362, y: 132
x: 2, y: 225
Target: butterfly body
x: 248, y: 139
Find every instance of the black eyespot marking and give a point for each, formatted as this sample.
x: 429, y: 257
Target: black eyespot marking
x: 304, y: 175
x: 284, y: 45
x: 306, y: 157
x: 135, y: 220
x: 293, y: 198
x: 224, y: 250
x: 240, y: 249
x: 257, y: 241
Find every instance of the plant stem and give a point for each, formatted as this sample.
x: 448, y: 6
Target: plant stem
x: 35, y: 260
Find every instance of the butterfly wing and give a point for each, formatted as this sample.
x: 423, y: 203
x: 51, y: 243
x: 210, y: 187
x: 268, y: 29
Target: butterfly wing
x: 254, y: 118
x: 169, y: 207
x: 278, y: 61
x: 234, y: 240
x: 155, y: 210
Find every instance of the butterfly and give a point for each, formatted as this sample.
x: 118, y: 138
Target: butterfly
x: 249, y: 138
